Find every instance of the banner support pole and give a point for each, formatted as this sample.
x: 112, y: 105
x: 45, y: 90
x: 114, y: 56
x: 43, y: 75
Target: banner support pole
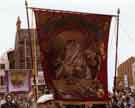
x: 116, y: 52
x: 32, y: 55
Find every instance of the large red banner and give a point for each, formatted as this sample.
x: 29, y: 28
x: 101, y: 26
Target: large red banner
x: 73, y: 49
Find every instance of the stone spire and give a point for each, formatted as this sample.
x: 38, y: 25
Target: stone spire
x: 18, y: 24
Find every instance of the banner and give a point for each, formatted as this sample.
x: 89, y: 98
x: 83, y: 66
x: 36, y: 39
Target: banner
x: 73, y: 48
x: 18, y: 80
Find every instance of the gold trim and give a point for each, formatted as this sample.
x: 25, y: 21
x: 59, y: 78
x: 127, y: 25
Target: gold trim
x: 80, y: 102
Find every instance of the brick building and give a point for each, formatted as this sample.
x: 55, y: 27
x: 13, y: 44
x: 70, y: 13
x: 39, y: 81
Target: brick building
x: 23, y: 59
x: 22, y: 52
x: 126, y: 74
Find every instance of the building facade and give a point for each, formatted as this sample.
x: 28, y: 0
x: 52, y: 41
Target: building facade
x: 23, y: 52
x: 126, y: 74
x: 4, y: 65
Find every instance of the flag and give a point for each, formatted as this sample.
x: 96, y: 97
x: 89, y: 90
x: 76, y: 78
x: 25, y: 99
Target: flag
x: 73, y: 48
x: 18, y: 80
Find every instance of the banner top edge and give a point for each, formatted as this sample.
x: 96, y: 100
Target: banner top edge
x: 69, y: 11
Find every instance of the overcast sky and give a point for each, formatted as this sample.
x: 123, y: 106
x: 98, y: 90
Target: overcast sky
x: 10, y: 9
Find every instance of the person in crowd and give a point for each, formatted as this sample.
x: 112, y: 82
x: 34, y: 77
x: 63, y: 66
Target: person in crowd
x: 9, y: 102
x: 2, y: 100
x: 115, y: 102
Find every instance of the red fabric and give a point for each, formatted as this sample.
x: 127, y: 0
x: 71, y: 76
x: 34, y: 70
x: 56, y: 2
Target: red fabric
x: 73, y: 48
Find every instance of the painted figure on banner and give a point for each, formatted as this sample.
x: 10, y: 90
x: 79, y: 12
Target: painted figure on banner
x: 77, y: 63
x: 17, y: 78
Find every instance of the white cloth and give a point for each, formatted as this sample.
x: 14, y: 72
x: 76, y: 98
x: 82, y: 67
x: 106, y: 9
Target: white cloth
x: 44, y: 98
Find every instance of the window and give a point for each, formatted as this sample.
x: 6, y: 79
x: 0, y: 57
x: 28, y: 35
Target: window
x: 1, y: 80
x: 2, y: 66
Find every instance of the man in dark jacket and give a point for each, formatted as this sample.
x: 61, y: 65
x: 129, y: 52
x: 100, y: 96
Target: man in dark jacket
x: 9, y: 103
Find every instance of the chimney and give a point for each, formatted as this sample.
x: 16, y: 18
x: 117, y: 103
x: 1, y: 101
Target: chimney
x: 18, y: 24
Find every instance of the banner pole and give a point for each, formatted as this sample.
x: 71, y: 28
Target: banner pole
x: 32, y: 54
x: 116, y: 52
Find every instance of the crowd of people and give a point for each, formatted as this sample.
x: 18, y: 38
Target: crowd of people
x: 15, y: 101
x: 123, y: 99
x: 119, y: 99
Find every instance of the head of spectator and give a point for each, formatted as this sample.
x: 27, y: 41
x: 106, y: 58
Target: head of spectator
x: 8, y: 98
